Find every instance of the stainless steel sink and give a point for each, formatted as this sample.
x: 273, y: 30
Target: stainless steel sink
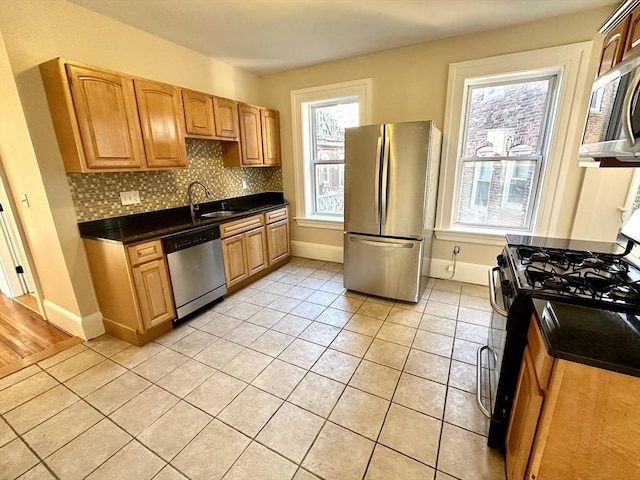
x: 220, y: 214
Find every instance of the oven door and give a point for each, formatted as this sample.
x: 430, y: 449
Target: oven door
x: 489, y: 356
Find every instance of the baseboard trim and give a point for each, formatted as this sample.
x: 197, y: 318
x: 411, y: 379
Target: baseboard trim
x: 317, y: 251
x: 84, y: 327
x: 465, y: 272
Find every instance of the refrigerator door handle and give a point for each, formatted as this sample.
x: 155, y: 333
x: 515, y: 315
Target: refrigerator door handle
x: 373, y: 243
x: 377, y: 189
x: 385, y: 179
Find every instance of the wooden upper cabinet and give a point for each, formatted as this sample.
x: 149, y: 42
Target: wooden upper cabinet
x: 161, y: 117
x: 198, y: 113
x: 94, y: 116
x: 259, y: 144
x: 226, y: 115
x: 613, y: 47
x: 270, y: 121
x: 633, y: 33
x: 250, y: 134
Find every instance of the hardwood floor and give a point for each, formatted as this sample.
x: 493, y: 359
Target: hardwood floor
x: 25, y: 338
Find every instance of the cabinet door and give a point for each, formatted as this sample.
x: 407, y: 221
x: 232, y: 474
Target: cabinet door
x: 250, y: 135
x: 235, y: 259
x: 527, y: 405
x: 198, y: 113
x: 226, y: 113
x: 161, y: 117
x: 153, y: 291
x: 105, y: 108
x: 633, y: 35
x: 270, y: 136
x: 613, y: 47
x: 256, y: 241
x: 278, y: 240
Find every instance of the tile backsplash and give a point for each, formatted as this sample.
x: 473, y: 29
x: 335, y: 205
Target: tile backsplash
x: 97, y: 195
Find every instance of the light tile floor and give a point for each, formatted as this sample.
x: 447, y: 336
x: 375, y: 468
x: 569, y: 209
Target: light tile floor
x: 291, y: 377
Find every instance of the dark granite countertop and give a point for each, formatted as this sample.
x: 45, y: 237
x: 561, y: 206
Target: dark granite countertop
x: 600, y: 338
x: 144, y: 226
x: 564, y: 243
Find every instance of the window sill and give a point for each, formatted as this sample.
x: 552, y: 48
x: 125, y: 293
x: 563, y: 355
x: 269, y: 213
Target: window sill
x: 474, y: 236
x: 327, y: 223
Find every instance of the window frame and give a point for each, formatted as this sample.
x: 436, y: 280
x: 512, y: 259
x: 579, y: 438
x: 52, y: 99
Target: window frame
x: 361, y: 89
x: 569, y: 62
x: 553, y: 76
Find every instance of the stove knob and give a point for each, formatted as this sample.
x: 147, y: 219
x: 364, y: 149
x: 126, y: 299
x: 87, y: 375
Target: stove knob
x: 507, y: 289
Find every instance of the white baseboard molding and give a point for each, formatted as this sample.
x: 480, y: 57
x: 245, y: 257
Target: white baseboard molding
x: 465, y: 272
x: 317, y: 251
x: 84, y: 327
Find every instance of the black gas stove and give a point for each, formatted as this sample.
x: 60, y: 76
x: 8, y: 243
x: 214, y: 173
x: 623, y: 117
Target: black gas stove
x: 596, y: 275
x: 590, y: 278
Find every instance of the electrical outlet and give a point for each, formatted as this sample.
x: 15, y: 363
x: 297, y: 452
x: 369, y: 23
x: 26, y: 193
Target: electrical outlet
x: 244, y: 184
x: 450, y: 268
x: 456, y: 250
x: 130, y: 198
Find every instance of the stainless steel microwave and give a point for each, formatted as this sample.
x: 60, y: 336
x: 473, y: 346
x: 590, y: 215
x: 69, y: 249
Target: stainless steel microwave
x: 613, y: 121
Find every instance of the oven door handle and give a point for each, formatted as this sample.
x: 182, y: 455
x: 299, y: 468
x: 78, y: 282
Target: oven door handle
x: 481, y: 406
x: 492, y: 294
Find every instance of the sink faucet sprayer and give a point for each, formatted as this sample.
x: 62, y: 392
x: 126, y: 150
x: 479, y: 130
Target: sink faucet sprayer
x: 193, y: 208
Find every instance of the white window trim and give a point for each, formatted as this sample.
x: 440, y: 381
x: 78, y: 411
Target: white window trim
x: 573, y: 60
x: 304, y: 216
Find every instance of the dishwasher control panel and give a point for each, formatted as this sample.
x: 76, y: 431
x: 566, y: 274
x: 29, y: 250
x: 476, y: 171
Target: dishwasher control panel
x: 190, y: 238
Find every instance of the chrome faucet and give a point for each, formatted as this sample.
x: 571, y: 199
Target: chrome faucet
x: 193, y: 208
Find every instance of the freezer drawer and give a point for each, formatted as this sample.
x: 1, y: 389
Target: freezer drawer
x: 385, y: 267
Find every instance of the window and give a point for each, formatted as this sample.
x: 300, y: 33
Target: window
x: 320, y: 115
x: 507, y: 121
x: 327, y: 121
x: 510, y: 123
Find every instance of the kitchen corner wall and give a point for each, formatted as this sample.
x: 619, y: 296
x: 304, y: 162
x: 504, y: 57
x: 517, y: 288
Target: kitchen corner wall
x: 97, y: 195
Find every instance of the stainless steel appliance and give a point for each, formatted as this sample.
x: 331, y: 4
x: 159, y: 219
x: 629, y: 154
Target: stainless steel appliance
x: 391, y: 178
x: 613, y: 122
x: 195, y: 268
x: 590, y: 274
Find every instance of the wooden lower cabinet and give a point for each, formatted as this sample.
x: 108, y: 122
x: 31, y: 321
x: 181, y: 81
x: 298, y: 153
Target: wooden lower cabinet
x: 244, y: 255
x: 256, y: 250
x: 278, y: 240
x: 133, y: 289
x: 253, y: 246
x: 584, y: 425
x: 235, y: 259
x: 527, y: 405
x: 154, y: 292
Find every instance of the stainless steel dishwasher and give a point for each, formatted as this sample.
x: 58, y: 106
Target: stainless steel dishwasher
x: 195, y: 268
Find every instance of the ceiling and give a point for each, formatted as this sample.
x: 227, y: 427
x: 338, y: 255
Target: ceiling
x: 269, y: 36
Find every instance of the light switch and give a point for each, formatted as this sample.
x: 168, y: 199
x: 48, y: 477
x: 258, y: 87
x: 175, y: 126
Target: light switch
x: 130, y: 198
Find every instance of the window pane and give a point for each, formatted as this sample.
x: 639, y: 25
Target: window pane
x: 506, y: 120
x: 329, y: 122
x: 496, y: 193
x: 330, y: 188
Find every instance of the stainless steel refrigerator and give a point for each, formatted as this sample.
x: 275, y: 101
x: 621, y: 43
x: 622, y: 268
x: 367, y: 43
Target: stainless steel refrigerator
x: 391, y: 178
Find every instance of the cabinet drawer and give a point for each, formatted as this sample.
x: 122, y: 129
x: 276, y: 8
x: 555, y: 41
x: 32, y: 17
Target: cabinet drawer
x: 276, y: 215
x: 542, y: 361
x: 145, y: 252
x: 240, y: 226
